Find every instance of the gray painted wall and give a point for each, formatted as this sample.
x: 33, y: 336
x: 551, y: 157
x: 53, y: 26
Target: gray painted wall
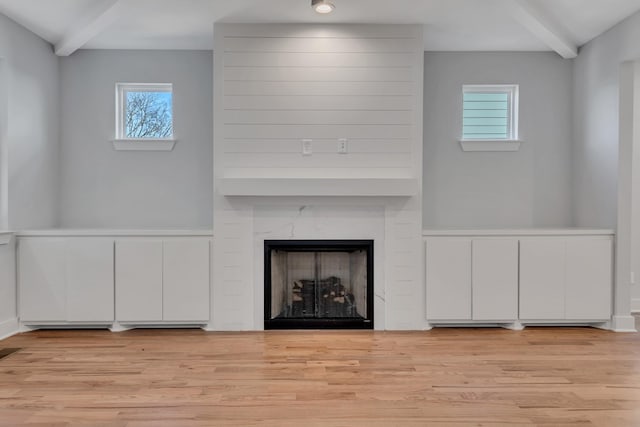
x: 595, y: 118
x: 29, y: 141
x: 528, y: 188
x: 101, y: 187
x: 31, y: 74
x: 596, y: 129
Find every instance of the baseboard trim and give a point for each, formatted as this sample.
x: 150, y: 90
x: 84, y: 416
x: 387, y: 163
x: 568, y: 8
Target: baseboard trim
x: 8, y: 328
x: 635, y: 305
x: 623, y: 324
x: 117, y: 327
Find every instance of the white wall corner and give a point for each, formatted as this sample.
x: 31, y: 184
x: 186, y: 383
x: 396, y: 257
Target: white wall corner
x: 635, y: 305
x: 8, y: 328
x: 626, y: 201
x: 623, y: 324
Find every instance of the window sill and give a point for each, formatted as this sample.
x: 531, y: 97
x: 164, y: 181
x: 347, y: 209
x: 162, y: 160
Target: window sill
x: 143, y: 144
x: 490, y: 145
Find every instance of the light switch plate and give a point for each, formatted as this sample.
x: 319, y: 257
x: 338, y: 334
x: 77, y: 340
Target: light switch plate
x: 342, y: 146
x: 307, y: 148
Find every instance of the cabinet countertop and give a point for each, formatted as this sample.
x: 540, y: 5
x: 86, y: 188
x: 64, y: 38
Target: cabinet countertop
x: 106, y: 232
x: 520, y: 232
x: 64, y: 232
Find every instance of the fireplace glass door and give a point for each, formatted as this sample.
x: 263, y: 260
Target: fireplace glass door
x: 318, y: 284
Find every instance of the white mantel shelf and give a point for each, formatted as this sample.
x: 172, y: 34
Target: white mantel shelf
x: 67, y: 232
x: 405, y: 187
x: 520, y: 232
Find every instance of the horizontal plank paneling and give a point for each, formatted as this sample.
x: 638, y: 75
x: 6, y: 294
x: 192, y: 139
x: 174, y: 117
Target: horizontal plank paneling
x: 285, y: 83
x: 319, y: 102
x: 318, y: 88
x: 317, y: 74
x: 314, y: 173
x: 318, y: 160
x: 317, y: 117
x: 262, y: 145
x: 317, y: 131
x: 335, y: 32
x: 315, y: 44
x: 318, y: 59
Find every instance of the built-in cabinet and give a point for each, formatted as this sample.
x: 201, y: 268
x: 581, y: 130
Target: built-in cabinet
x: 494, y: 279
x: 565, y: 278
x: 448, y: 277
x: 472, y: 279
x: 65, y: 280
x: 509, y: 278
x: 106, y: 279
x: 162, y: 280
x: 139, y: 280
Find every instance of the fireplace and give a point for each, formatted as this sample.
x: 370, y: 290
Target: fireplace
x: 319, y: 284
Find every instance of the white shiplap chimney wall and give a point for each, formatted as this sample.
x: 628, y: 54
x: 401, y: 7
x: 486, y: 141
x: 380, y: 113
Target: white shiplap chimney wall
x: 275, y: 85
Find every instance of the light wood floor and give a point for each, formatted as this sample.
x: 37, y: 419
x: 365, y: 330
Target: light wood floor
x: 444, y: 377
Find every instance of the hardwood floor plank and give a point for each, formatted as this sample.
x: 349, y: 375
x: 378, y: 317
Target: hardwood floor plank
x: 445, y: 377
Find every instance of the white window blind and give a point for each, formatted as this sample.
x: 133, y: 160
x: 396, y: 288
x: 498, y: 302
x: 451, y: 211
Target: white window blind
x: 490, y: 112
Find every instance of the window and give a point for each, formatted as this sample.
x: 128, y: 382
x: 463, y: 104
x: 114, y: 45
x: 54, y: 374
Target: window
x: 144, y: 111
x: 490, y: 113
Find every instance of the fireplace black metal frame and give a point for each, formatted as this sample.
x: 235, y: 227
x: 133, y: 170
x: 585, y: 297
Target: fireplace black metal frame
x: 312, y: 246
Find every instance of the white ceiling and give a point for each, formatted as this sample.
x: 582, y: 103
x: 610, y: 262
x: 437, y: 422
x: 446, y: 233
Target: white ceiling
x: 450, y: 25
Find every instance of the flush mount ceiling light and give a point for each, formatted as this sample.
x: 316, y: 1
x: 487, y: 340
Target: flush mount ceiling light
x: 322, y: 6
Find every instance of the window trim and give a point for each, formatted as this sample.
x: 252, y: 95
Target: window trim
x: 513, y: 141
x: 121, y: 142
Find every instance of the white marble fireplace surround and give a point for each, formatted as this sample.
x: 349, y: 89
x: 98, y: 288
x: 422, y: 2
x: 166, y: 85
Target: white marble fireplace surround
x: 238, y: 288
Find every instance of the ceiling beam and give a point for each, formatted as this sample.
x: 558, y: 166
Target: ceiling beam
x: 530, y: 17
x: 87, y: 28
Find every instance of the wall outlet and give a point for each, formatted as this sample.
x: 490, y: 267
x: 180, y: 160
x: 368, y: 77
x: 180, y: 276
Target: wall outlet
x: 342, y: 146
x: 307, y: 148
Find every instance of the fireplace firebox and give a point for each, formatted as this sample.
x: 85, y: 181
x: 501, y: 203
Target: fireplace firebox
x: 318, y: 284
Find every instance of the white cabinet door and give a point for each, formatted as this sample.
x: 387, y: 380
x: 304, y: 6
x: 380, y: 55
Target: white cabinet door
x: 494, y: 279
x: 448, y: 277
x: 42, y: 282
x: 89, y: 272
x: 589, y: 278
x: 138, y: 280
x: 542, y: 278
x: 186, y: 280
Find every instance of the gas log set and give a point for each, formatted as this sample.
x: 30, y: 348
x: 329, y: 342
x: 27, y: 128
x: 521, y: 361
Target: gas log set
x: 322, y: 298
